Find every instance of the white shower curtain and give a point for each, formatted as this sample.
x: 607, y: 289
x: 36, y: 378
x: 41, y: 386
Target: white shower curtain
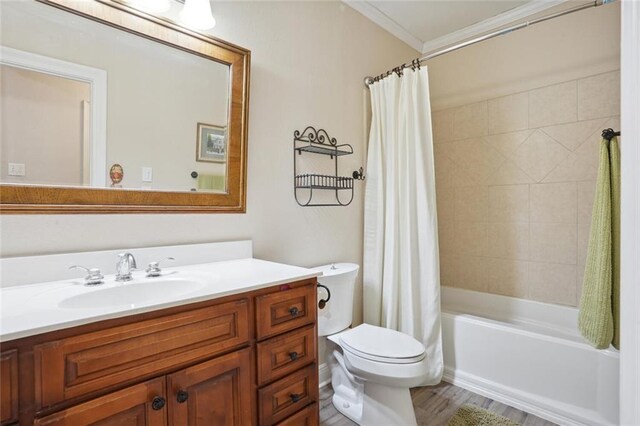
x: 401, y: 267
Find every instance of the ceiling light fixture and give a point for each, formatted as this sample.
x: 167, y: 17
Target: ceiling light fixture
x: 197, y: 14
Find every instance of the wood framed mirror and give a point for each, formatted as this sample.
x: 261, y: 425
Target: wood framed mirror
x: 163, y: 116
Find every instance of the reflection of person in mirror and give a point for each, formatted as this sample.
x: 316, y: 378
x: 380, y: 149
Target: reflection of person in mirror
x: 215, y: 144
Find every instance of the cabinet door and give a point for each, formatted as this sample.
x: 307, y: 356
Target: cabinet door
x: 9, y: 387
x: 139, y: 405
x: 215, y: 392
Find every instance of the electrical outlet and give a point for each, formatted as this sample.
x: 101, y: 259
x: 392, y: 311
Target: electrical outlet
x: 16, y: 169
x: 147, y: 174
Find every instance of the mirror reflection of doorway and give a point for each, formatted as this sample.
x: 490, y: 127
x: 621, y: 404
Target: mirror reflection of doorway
x: 46, y: 128
x: 52, y: 126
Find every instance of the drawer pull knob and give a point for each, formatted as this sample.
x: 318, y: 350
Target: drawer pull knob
x: 293, y: 355
x: 295, y: 397
x: 158, y: 403
x: 182, y: 396
x: 293, y: 311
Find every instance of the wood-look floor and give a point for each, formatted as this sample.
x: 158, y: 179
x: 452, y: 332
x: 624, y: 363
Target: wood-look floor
x: 434, y: 405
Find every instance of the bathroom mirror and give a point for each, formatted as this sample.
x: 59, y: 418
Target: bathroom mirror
x: 110, y: 109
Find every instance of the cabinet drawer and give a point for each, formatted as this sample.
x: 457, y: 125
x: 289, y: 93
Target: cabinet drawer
x: 285, y: 310
x: 9, y: 386
x: 141, y: 405
x: 281, y: 355
x: 82, y: 364
x: 286, y: 396
x: 308, y: 416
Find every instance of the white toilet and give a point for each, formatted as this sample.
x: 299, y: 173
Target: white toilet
x: 372, y: 368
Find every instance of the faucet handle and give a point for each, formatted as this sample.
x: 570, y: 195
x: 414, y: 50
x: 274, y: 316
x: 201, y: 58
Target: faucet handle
x: 154, y: 267
x: 93, y: 277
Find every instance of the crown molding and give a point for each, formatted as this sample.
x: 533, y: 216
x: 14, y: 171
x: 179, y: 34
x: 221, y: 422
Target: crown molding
x: 386, y: 23
x: 511, y: 16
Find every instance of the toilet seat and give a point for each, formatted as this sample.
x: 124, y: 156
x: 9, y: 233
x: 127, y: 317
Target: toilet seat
x: 382, y: 345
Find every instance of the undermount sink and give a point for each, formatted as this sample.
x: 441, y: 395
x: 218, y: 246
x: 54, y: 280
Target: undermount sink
x: 133, y: 294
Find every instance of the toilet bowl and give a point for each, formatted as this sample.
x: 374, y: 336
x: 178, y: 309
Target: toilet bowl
x: 372, y: 368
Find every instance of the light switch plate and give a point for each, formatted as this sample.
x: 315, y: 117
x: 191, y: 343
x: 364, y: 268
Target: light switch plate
x: 147, y: 174
x: 16, y: 169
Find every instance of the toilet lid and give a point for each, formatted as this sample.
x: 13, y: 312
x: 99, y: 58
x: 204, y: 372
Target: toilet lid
x: 382, y: 345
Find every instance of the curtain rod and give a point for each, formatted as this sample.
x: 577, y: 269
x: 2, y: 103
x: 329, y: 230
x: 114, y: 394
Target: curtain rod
x: 416, y: 62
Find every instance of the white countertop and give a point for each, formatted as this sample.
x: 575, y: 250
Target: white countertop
x: 33, y: 309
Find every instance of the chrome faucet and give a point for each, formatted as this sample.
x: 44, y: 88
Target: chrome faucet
x: 126, y: 263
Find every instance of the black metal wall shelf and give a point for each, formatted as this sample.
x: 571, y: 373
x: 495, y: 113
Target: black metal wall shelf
x: 319, y: 142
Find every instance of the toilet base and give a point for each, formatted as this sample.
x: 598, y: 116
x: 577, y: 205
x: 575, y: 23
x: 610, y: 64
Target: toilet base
x: 368, y: 403
x: 381, y: 405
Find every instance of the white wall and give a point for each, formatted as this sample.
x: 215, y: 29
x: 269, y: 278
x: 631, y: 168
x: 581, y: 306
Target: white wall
x: 308, y: 63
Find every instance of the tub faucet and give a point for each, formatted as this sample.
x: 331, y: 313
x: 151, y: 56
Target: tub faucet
x: 126, y: 263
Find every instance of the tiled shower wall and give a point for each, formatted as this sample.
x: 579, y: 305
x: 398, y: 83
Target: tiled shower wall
x: 515, y: 181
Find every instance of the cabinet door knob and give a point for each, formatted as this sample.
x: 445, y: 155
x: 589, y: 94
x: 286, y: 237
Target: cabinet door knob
x: 295, y: 397
x: 158, y: 403
x: 182, y: 396
x: 293, y: 311
x: 293, y: 355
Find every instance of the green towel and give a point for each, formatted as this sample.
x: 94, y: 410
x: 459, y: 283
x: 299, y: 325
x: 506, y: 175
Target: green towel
x: 599, y: 317
x: 211, y: 182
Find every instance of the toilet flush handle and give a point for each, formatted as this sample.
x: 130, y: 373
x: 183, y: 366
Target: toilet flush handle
x: 323, y: 302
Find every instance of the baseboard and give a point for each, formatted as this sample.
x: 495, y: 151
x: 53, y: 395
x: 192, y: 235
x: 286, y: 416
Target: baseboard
x: 324, y: 375
x: 549, y: 410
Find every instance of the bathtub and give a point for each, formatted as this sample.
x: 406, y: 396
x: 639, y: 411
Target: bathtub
x: 528, y: 355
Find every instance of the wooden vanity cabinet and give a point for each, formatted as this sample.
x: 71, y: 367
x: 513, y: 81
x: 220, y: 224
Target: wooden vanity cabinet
x: 245, y: 359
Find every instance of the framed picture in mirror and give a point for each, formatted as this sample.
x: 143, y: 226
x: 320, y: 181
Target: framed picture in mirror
x: 211, y: 144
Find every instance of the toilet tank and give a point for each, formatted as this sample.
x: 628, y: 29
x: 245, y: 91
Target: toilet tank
x: 337, y: 314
